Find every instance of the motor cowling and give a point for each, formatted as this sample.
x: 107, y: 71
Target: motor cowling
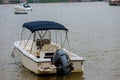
x: 61, y: 61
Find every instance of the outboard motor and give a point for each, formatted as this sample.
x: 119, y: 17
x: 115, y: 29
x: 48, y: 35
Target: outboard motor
x: 61, y: 61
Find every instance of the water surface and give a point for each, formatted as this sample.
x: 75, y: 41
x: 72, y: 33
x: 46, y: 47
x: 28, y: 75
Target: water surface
x: 94, y: 32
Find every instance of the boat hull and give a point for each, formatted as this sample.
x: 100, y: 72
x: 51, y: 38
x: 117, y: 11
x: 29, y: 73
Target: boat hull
x: 36, y: 65
x: 31, y: 64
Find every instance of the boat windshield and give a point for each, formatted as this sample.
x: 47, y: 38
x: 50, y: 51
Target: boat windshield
x: 25, y: 5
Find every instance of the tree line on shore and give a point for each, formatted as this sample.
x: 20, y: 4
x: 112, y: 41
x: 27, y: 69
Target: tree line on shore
x: 45, y: 1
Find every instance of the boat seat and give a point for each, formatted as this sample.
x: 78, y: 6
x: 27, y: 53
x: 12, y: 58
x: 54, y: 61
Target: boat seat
x: 46, y: 41
x: 40, y: 42
x: 49, y: 48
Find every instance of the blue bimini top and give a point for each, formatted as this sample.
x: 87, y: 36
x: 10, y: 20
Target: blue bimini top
x: 43, y: 25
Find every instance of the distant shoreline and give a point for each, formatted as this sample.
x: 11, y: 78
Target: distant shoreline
x: 47, y: 1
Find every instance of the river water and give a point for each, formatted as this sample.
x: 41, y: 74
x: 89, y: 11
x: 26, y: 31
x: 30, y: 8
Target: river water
x: 94, y: 34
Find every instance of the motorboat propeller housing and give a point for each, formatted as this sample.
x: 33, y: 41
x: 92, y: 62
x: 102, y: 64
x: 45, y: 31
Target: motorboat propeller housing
x: 61, y: 61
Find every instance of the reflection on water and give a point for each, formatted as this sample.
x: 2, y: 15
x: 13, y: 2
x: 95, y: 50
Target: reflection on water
x: 25, y: 74
x: 76, y: 76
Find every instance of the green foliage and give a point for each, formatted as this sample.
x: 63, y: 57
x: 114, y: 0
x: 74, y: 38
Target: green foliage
x: 46, y: 1
x: 14, y: 1
x: 30, y: 1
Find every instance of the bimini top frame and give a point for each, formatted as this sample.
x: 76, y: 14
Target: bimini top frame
x: 36, y: 26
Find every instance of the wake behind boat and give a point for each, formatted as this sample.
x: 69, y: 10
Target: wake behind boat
x: 45, y: 49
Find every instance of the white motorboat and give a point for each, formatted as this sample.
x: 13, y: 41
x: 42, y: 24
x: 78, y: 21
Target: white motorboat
x: 45, y: 50
x: 23, y: 7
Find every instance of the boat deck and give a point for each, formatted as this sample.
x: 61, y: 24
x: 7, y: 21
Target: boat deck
x: 35, y: 51
x: 46, y: 51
